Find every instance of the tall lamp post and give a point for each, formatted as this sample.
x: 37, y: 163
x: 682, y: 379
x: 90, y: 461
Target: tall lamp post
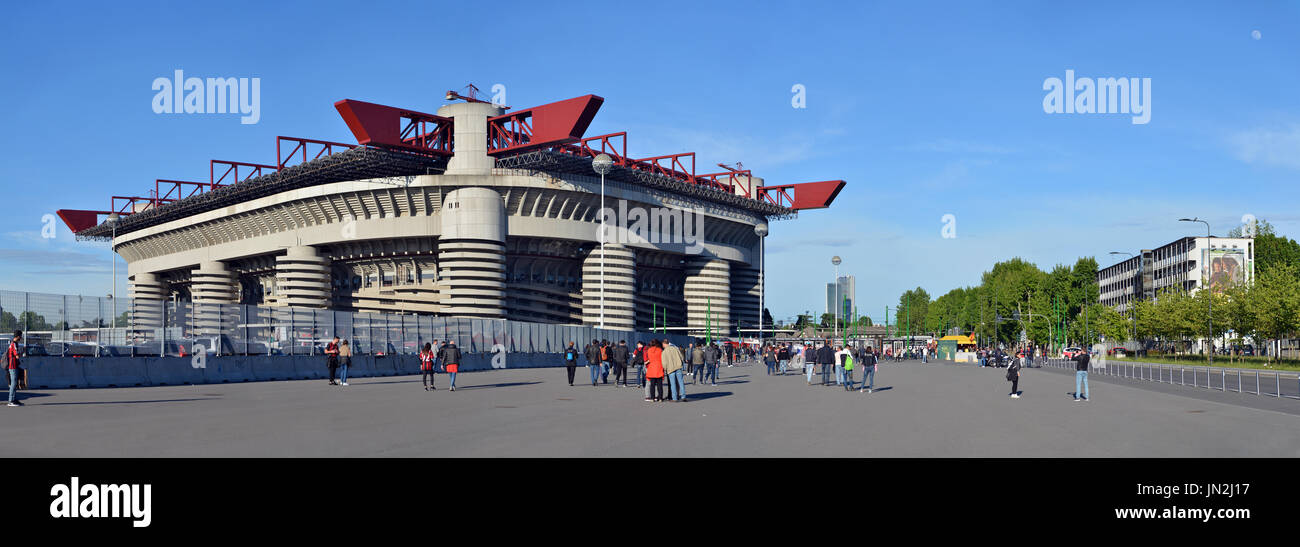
x: 601, y: 165
x: 1209, y: 296
x: 836, y: 327
x: 112, y: 219
x: 760, y: 230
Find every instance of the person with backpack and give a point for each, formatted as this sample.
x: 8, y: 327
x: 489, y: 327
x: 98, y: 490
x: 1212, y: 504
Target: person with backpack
x: 868, y: 364
x: 841, y: 355
x: 11, y: 363
x: 849, y: 363
x: 450, y: 357
x: 571, y: 361
x: 332, y: 358
x: 1081, y: 375
x: 1013, y: 376
x: 619, y: 355
x: 592, y: 353
x: 426, y: 366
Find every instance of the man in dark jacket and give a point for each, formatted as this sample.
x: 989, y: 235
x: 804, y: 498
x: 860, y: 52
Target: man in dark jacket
x: 571, y: 360
x: 449, y: 355
x: 712, y: 354
x: 696, y: 356
x: 619, y: 355
x: 592, y: 352
x: 1081, y: 375
x: 783, y: 357
x: 826, y: 358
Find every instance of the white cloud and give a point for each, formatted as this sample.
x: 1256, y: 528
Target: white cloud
x: 1279, y: 147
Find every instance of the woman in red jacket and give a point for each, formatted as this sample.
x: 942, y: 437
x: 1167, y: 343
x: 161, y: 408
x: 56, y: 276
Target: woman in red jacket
x: 426, y: 366
x: 654, y: 369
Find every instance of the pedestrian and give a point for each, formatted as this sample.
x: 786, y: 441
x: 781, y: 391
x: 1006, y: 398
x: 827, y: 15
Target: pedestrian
x: 1013, y: 376
x: 638, y: 361
x: 654, y: 371
x: 697, y: 363
x: 619, y: 355
x: 11, y: 363
x: 592, y: 353
x: 841, y: 355
x: 345, y: 360
x: 868, y: 364
x: 712, y: 354
x: 769, y: 359
x: 783, y: 357
x: 604, y: 361
x: 332, y: 358
x: 809, y: 359
x: 826, y: 358
x: 1081, y: 375
x: 731, y: 355
x: 450, y: 357
x: 672, y: 363
x: 571, y: 361
x: 426, y: 366
x: 849, y: 363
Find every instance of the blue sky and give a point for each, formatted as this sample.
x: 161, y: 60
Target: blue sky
x: 925, y: 108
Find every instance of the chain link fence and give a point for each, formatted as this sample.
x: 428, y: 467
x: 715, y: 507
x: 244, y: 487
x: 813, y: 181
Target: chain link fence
x: 83, y: 326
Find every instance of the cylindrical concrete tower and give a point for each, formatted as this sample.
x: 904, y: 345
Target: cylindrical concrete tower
x: 620, y: 287
x: 707, y: 289
x: 147, y: 296
x: 471, y: 253
x: 470, y: 135
x: 745, y: 285
x: 302, y: 278
x: 212, y: 283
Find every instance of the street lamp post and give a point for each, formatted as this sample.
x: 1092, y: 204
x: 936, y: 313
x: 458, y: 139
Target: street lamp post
x: 602, y: 164
x: 836, y: 327
x: 1209, y: 296
x: 760, y: 230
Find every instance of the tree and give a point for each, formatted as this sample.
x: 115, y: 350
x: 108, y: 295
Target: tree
x: 912, y: 307
x: 1238, y: 313
x: 1109, y: 323
x: 1276, y: 302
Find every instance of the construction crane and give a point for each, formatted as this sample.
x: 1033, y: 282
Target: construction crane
x: 471, y: 95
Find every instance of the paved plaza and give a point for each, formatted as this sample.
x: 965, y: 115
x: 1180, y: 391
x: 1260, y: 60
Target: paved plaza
x: 931, y: 410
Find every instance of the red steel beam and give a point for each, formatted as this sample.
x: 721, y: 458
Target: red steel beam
x: 542, y: 126
x: 300, y: 144
x: 386, y: 126
x: 804, y: 195
x: 676, y: 167
x: 232, y: 170
x: 177, y: 187
x: 78, y: 220
x: 713, y: 180
x: 614, y: 145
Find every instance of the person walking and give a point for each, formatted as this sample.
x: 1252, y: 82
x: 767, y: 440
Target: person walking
x: 712, y: 354
x: 842, y: 354
x: 731, y: 356
x: 1081, y: 375
x: 11, y: 363
x: 783, y: 357
x: 345, y: 361
x: 849, y: 364
x: 1013, y: 376
x: 571, y: 361
x: 592, y: 353
x: 426, y: 366
x: 332, y: 359
x: 769, y: 359
x: 697, y: 363
x: 868, y: 364
x: 605, y: 361
x: 672, y: 362
x: 826, y: 358
x: 450, y: 357
x: 654, y: 371
x: 619, y: 356
x: 809, y: 359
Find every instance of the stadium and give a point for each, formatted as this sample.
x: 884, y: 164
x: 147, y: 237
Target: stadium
x: 477, y: 211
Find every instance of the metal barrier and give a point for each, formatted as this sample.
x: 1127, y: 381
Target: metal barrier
x: 90, y: 326
x: 1216, y: 378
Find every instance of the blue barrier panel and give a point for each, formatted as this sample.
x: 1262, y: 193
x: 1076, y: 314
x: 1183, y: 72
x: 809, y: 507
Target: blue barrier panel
x: 170, y: 371
x: 53, y: 372
x: 116, y: 371
x: 229, y: 369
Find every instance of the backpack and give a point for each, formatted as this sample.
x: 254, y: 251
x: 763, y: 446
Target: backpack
x: 570, y: 355
x: 848, y: 362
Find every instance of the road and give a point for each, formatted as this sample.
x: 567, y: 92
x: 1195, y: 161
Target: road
x: 935, y: 410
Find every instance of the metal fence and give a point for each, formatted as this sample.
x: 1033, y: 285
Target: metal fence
x: 1251, y: 381
x: 71, y: 325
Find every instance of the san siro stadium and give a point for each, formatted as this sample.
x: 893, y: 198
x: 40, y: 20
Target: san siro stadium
x: 478, y: 211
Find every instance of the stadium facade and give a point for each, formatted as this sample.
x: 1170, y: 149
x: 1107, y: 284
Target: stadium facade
x: 476, y: 211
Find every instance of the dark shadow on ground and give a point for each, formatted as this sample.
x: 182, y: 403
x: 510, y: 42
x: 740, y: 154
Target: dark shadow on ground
x: 487, y: 386
x: 692, y: 397
x: 23, y: 395
x: 129, y: 402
